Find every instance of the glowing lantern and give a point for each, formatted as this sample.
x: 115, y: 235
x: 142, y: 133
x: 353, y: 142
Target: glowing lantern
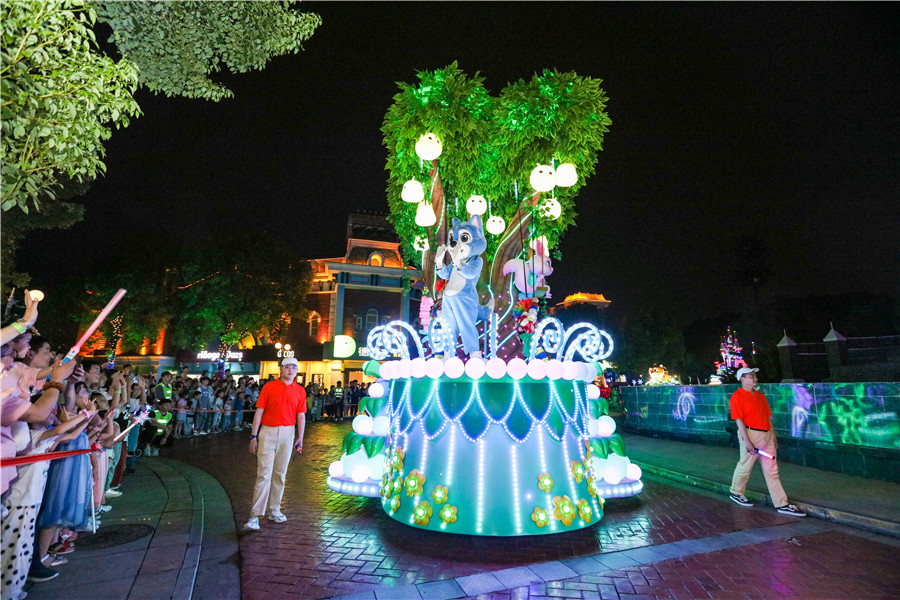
x: 606, y: 426
x: 537, y: 369
x: 386, y: 371
x: 38, y: 295
x: 360, y: 473
x: 412, y: 192
x: 634, y: 472
x: 543, y: 178
x: 376, y: 466
x: 593, y: 392
x: 403, y: 368
x: 592, y: 427
x: 612, y: 475
x: 554, y: 369
x: 350, y: 462
x: 495, y: 225
x: 475, y: 368
x: 376, y: 390
x: 417, y: 367
x: 517, y: 368
x: 381, y: 425
x: 570, y: 370
x: 344, y: 346
x: 362, y: 424
x: 566, y: 175
x: 476, y: 205
x: 454, y: 368
x: 421, y: 243
x: 550, y: 209
x: 425, y: 215
x: 434, y: 367
x: 429, y: 147
x: 336, y: 469
x: 495, y: 368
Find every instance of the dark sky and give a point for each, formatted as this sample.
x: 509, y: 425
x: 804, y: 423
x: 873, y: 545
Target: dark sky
x: 728, y: 118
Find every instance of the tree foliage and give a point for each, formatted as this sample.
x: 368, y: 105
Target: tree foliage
x: 60, y: 98
x: 177, y: 45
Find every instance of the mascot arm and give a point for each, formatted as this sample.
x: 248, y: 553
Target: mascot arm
x: 445, y: 271
x: 471, y: 269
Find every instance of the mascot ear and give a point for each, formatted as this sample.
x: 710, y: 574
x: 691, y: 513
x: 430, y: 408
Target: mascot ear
x: 475, y: 221
x: 456, y: 222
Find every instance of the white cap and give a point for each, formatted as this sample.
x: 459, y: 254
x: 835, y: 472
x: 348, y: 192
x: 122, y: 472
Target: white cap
x: 290, y: 361
x: 744, y: 371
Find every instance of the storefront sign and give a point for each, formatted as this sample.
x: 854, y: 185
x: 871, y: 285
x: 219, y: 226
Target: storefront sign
x: 207, y: 355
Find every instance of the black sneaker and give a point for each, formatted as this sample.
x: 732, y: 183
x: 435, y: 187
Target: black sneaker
x: 740, y: 499
x: 39, y: 573
x: 790, y: 509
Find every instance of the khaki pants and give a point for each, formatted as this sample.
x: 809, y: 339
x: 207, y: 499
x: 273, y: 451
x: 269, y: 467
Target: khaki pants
x: 762, y: 440
x: 273, y: 454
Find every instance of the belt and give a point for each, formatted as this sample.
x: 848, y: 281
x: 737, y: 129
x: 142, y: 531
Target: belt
x: 755, y: 429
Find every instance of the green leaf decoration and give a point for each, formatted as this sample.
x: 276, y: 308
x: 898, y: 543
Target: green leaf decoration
x: 373, y: 445
x: 376, y: 406
x: 617, y: 444
x: 352, y: 442
x: 372, y: 368
x: 599, y: 447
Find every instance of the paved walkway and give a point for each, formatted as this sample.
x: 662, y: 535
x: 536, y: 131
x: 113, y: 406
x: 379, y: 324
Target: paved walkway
x: 681, y: 538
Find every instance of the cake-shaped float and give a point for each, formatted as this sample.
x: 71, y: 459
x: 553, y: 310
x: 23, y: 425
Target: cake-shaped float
x: 488, y: 447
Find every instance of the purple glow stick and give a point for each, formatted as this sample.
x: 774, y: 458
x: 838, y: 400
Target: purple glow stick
x: 110, y: 305
x: 764, y: 453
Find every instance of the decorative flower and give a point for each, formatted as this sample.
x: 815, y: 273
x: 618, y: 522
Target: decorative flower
x: 563, y: 510
x: 414, y: 482
x: 440, y: 494
x: 577, y: 471
x: 540, y: 516
x: 398, y: 485
x: 422, y: 512
x: 545, y: 482
x: 386, y: 486
x: 448, y: 514
x: 584, y: 510
x: 395, y: 502
x: 397, y: 458
x: 592, y: 486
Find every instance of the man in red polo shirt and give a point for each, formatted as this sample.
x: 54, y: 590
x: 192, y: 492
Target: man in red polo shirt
x: 750, y: 410
x: 281, y: 406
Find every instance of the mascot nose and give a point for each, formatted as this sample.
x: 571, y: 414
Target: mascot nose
x: 452, y: 243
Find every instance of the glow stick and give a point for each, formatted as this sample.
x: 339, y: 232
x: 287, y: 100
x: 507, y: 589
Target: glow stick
x: 90, y: 330
x: 137, y: 421
x: 764, y: 453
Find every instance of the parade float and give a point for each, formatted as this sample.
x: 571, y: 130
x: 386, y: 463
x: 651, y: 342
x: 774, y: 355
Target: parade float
x: 487, y: 419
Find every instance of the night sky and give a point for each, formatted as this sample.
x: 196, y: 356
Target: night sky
x: 728, y: 119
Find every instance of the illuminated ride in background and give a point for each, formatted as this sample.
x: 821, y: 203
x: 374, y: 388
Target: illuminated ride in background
x: 732, y: 358
x: 513, y: 440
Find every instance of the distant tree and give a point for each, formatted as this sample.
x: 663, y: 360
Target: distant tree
x: 651, y: 338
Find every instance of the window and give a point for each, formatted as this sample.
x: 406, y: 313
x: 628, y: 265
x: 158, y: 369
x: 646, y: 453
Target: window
x: 359, y: 323
x: 371, y: 318
x: 376, y: 260
x: 314, y: 325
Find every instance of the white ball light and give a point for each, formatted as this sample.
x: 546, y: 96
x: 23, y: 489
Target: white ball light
x: 36, y: 295
x: 381, y: 426
x: 476, y: 205
x: 376, y: 466
x: 425, y: 215
x: 633, y: 472
x: 606, y: 426
x: 403, y: 368
x: 412, y: 192
x: 350, y: 462
x: 554, y: 369
x: 376, y: 390
x: 495, y: 368
x: 612, y: 475
x: 421, y: 243
x: 566, y: 176
x: 475, y: 368
x: 495, y: 225
x: 543, y: 178
x: 360, y: 474
x: 517, y: 368
x: 588, y: 372
x: 550, y: 209
x: 387, y: 370
x: 537, y: 369
x: 593, y: 392
x: 336, y: 469
x: 570, y: 370
x: 417, y: 367
x: 362, y: 424
x: 592, y: 427
x: 434, y: 368
x: 429, y: 147
x: 454, y: 368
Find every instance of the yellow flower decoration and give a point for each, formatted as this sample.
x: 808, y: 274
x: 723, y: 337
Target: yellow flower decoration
x: 448, y: 514
x: 545, y: 482
x: 397, y: 458
x: 585, y: 511
x: 422, y: 512
x: 577, y: 471
x: 563, y: 510
x: 592, y: 486
x: 398, y: 484
x: 440, y: 494
x: 386, y: 486
x: 414, y: 482
x: 540, y: 516
x: 395, y: 503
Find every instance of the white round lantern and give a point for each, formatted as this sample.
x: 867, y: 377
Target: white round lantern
x: 606, y: 426
x: 537, y: 369
x: 417, y: 367
x: 517, y: 368
x: 495, y: 368
x: 387, y: 371
x: 593, y: 392
x: 543, y: 178
x: 633, y: 472
x: 454, y: 368
x: 376, y: 390
x: 566, y: 175
x: 412, y: 192
x: 421, y: 243
x: 592, y: 427
x: 376, y: 466
x: 336, y: 469
x: 381, y: 425
x: 425, y: 215
x: 403, y: 368
x: 554, y: 369
x: 612, y: 475
x: 475, y: 368
x: 495, y: 225
x: 362, y: 424
x: 476, y: 205
x: 550, y: 209
x: 350, y: 462
x: 360, y: 473
x: 570, y: 370
x: 434, y: 368
x: 429, y: 147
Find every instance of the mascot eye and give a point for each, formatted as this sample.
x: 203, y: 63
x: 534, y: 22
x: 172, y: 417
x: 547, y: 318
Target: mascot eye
x: 464, y: 238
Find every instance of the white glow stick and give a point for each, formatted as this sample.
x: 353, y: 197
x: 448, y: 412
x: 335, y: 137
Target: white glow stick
x: 90, y: 330
x: 764, y: 453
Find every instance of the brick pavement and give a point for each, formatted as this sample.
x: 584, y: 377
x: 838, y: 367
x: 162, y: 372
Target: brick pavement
x: 335, y: 544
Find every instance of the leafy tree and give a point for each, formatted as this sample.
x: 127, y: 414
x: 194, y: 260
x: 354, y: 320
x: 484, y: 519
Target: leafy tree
x: 242, y: 284
x: 177, y: 45
x: 651, y: 338
x: 59, y: 98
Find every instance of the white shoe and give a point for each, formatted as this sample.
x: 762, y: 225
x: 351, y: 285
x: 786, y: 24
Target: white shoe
x: 252, y: 524
x: 111, y: 493
x: 277, y: 516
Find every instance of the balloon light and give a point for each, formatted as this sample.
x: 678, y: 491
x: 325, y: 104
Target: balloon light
x: 634, y: 472
x: 612, y: 475
x: 543, y: 178
x: 376, y: 466
x: 475, y: 368
x: 606, y: 426
x: 354, y: 460
x: 593, y: 392
x: 362, y: 424
x: 588, y: 372
x: 403, y: 368
x: 387, y: 370
x: 537, y: 369
x: 495, y: 368
x: 593, y: 427
x: 550, y: 209
x: 495, y: 225
x: 554, y: 369
x: 570, y: 370
x: 566, y: 176
x: 434, y: 368
x: 417, y: 367
x: 425, y: 215
x: 336, y: 469
x: 454, y: 368
x: 421, y: 243
x: 517, y: 368
x: 412, y: 192
x: 429, y: 147
x: 476, y: 205
x: 376, y: 390
x: 344, y: 346
x: 381, y: 426
x: 360, y: 473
